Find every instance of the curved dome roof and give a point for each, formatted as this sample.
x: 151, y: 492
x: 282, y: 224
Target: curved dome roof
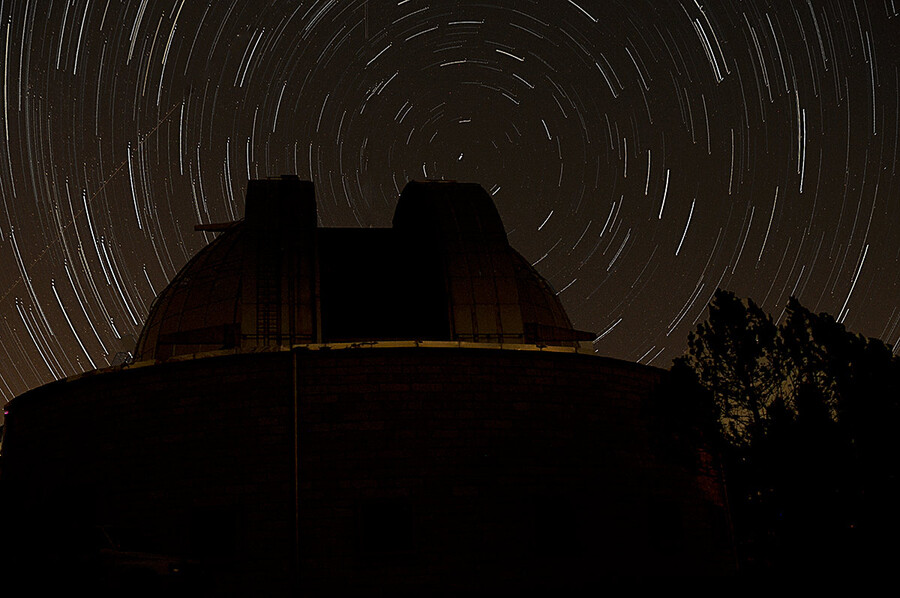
x: 444, y: 271
x: 200, y: 309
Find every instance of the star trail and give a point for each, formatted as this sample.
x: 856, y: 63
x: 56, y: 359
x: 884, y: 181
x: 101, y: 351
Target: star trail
x: 642, y: 153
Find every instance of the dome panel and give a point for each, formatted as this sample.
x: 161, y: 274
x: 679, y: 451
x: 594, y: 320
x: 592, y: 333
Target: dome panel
x: 198, y: 310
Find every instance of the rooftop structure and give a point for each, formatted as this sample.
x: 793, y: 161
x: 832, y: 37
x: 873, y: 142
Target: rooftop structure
x: 444, y: 272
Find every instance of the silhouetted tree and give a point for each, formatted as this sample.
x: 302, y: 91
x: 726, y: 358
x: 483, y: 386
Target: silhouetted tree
x: 734, y: 356
x: 683, y: 414
x: 859, y: 379
x: 820, y: 352
x: 807, y: 416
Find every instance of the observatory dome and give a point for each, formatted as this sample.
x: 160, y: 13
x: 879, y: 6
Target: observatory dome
x: 326, y: 411
x: 443, y: 272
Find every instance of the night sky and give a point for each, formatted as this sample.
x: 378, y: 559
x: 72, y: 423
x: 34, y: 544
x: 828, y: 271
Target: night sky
x: 641, y: 153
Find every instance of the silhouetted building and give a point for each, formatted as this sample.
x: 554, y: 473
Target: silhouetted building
x: 354, y: 411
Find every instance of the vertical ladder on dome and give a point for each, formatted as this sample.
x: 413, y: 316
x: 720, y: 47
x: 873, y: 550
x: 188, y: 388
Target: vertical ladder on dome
x: 268, y: 293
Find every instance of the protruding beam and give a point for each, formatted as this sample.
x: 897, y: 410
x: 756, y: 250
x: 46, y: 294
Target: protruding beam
x: 217, y: 227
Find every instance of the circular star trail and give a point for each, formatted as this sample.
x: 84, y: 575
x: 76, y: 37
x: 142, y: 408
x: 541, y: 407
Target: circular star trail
x: 641, y: 153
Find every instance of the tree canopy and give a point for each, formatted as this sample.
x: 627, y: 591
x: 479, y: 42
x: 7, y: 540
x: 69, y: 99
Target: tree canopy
x: 806, y: 415
x: 734, y: 356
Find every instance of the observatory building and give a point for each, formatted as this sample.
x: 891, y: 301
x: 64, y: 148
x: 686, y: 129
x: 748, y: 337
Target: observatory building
x: 349, y: 411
